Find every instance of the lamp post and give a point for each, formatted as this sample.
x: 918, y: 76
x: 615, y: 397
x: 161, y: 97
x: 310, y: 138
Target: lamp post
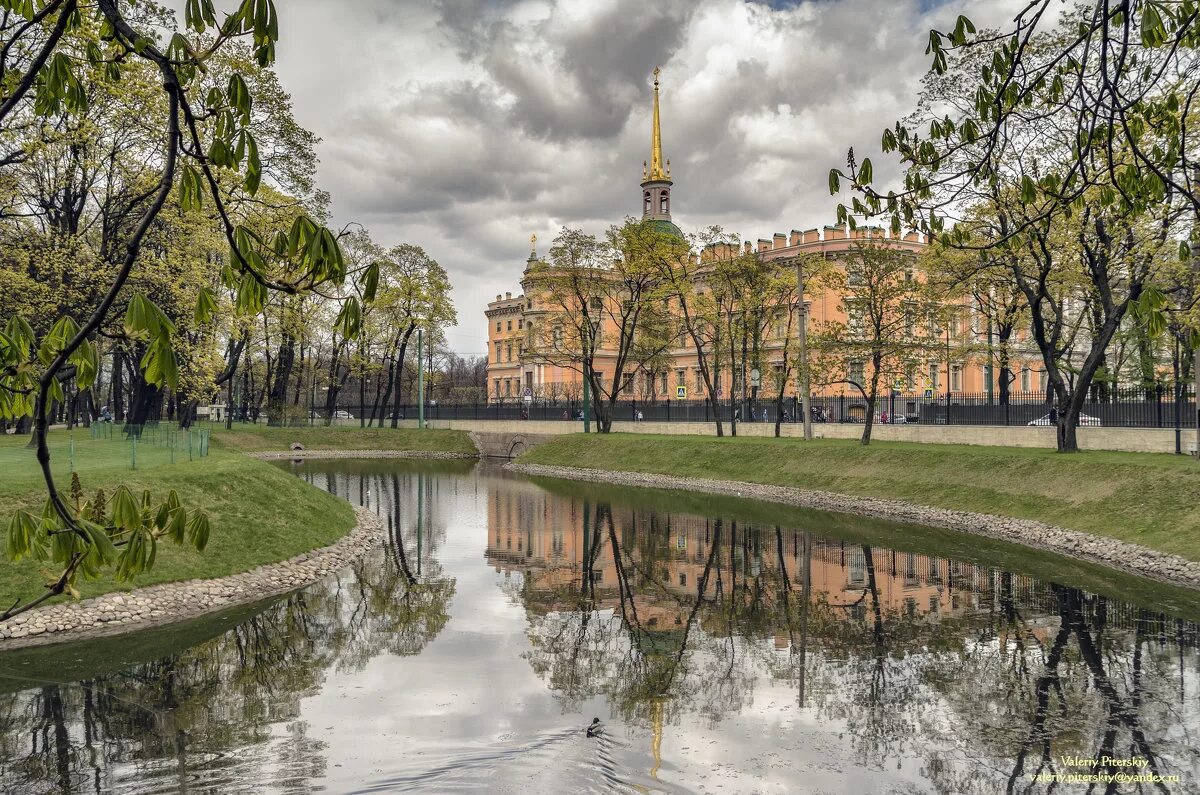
x: 420, y: 384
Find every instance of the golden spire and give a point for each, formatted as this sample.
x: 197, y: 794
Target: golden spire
x: 656, y: 170
x: 533, y: 243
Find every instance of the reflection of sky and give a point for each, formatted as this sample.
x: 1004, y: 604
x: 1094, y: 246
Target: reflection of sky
x: 471, y: 696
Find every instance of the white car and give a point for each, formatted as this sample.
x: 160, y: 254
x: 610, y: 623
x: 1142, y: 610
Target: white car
x: 342, y: 415
x: 1084, y: 419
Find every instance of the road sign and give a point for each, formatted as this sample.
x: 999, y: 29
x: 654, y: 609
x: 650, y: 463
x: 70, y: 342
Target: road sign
x: 681, y: 393
x: 928, y: 393
x: 529, y: 398
x: 755, y: 376
x: 528, y: 392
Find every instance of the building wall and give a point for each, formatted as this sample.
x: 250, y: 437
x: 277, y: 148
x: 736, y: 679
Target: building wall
x: 510, y: 372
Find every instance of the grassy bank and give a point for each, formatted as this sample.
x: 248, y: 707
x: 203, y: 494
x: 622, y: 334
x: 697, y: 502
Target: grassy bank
x: 259, y: 512
x: 259, y: 438
x: 1142, y: 498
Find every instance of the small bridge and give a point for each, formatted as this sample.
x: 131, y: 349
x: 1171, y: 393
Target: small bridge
x: 505, y: 444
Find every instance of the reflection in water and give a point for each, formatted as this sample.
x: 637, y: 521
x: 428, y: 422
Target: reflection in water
x: 721, y: 654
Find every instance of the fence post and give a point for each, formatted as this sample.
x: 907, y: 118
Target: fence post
x: 133, y: 452
x: 1158, y: 390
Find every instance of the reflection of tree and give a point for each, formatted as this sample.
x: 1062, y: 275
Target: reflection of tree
x: 222, y: 699
x: 632, y: 643
x: 1087, y: 690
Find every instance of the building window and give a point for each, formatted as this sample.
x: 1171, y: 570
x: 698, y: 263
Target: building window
x: 597, y: 305
x: 856, y: 372
x: 699, y: 382
x: 1025, y: 379
x: 679, y: 378
x: 934, y: 372
x: 558, y: 335
x: 508, y: 352
x: 497, y: 353
x: 646, y: 209
x: 682, y: 578
x: 507, y: 387
x: 854, y: 315
x: 956, y: 378
x: 663, y: 381
x: 497, y: 387
x: 662, y: 203
x: 510, y: 325
x: 497, y: 325
x: 520, y: 324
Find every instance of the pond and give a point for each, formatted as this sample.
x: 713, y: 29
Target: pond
x: 725, y: 646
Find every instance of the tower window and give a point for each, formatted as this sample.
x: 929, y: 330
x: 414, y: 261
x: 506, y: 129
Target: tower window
x: 662, y: 202
x: 647, y: 203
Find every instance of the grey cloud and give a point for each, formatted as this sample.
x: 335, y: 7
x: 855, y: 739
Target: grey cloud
x: 464, y: 126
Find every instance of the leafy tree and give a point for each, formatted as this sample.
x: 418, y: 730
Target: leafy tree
x: 596, y: 296
x: 887, y: 306
x: 55, y: 56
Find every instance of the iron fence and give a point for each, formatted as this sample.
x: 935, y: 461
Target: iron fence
x: 1158, y: 407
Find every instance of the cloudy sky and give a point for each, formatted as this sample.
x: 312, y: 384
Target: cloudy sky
x: 464, y: 126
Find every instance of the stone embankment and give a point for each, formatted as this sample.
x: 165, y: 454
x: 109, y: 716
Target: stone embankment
x: 154, y: 605
x: 297, y: 455
x: 1121, y: 555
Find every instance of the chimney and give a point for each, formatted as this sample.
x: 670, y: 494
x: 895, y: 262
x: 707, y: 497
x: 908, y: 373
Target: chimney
x: 812, y: 235
x: 508, y: 296
x: 835, y: 232
x: 780, y: 240
x: 747, y: 248
x: 795, y: 238
x: 497, y: 297
x: 913, y: 237
x: 763, y: 245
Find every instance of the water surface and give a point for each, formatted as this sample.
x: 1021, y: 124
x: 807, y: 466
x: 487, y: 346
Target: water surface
x: 727, y: 647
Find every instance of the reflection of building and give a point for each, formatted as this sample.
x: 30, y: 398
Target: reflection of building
x: 522, y: 323
x: 663, y: 558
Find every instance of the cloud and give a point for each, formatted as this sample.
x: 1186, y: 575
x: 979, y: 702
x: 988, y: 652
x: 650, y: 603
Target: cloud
x: 464, y: 126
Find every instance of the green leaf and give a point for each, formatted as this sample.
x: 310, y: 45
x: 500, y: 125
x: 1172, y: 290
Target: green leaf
x: 206, y: 306
x: 125, y: 511
x: 198, y: 530
x: 865, y: 172
x: 371, y: 282
x: 253, y: 166
x: 835, y: 184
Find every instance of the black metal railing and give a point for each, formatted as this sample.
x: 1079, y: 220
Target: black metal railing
x: 1156, y: 407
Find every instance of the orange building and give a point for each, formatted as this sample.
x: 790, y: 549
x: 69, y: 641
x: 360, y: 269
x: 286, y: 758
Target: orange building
x: 953, y: 363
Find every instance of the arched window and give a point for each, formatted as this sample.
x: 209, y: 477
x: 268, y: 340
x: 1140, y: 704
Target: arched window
x: 662, y: 202
x: 647, y: 202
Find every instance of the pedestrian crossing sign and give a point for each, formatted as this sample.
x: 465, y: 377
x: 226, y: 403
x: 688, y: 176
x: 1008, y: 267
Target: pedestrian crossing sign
x: 681, y: 393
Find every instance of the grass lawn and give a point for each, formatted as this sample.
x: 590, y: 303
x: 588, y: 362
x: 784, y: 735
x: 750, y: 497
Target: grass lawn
x: 260, y: 513
x: 1147, y: 499
x: 258, y: 438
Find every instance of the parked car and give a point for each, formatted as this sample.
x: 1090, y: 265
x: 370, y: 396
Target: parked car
x: 1084, y: 419
x: 342, y: 415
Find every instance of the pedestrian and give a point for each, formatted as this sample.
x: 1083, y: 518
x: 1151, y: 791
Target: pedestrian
x: 565, y: 417
x: 640, y: 416
x: 883, y: 417
x: 1053, y: 415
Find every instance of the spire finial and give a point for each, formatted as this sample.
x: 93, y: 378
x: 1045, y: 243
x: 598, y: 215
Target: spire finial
x: 533, y: 246
x: 656, y: 155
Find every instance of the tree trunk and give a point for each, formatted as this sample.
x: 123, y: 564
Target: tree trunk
x: 872, y: 396
x: 277, y: 397
x: 399, y: 397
